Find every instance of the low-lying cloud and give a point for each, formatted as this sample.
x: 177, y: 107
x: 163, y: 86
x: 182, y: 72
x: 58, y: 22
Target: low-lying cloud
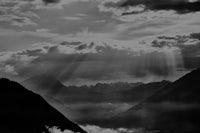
x: 57, y: 130
x: 97, y: 129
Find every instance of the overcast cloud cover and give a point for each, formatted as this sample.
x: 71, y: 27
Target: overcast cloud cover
x: 98, y: 40
x: 92, y: 61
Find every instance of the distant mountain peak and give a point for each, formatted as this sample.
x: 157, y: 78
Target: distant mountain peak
x: 175, y: 105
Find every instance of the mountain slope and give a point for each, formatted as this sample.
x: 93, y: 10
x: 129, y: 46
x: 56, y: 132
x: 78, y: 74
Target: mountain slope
x: 133, y: 95
x: 23, y: 111
x: 173, y: 109
x: 101, y: 92
x: 143, y: 91
x: 44, y: 84
x: 184, y: 90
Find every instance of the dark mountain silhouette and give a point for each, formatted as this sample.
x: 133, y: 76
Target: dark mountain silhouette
x: 23, y: 111
x: 184, y: 90
x: 172, y: 109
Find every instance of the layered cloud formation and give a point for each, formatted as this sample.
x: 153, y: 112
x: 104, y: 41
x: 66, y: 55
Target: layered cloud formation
x: 22, y: 12
x: 106, y: 56
x: 93, y: 61
x: 22, y: 20
x: 140, y: 6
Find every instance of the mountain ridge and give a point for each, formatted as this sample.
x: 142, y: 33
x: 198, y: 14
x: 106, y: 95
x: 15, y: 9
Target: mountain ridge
x: 24, y: 111
x: 174, y: 106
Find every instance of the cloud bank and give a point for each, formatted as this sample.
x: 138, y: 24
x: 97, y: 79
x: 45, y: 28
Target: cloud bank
x: 141, y: 6
x: 97, y: 129
x: 95, y: 61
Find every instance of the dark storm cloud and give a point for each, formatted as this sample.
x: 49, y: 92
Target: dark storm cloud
x: 50, y: 1
x: 180, y: 6
x: 188, y: 44
x: 195, y: 36
x: 45, y: 1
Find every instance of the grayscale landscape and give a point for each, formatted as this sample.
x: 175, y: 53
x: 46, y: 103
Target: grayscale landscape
x: 100, y: 66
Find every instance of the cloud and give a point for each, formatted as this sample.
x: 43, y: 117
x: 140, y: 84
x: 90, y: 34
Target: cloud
x: 43, y: 30
x: 176, y: 41
x: 84, y: 35
x: 12, y: 62
x: 8, y: 69
x: 22, y: 12
x: 114, y: 7
x: 50, y: 1
x: 93, y: 109
x: 39, y: 33
x: 138, y: 22
x: 150, y: 24
x: 188, y: 45
x: 72, y: 18
x: 166, y: 20
x: 125, y: 7
x: 99, y: 21
x: 96, y: 61
x: 180, y: 6
x: 53, y: 4
x: 57, y: 130
x: 81, y: 15
x: 97, y: 129
x: 19, y: 21
x: 12, y: 12
x: 77, y: 61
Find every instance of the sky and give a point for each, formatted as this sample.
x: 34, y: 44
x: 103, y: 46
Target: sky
x: 90, y: 41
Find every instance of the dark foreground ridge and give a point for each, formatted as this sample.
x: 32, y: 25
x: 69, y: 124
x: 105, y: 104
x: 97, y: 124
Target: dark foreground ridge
x: 23, y: 111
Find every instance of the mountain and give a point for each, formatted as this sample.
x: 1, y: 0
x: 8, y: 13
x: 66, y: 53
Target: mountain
x: 143, y: 91
x: 23, y: 111
x: 132, y: 95
x: 100, y: 92
x: 172, y: 109
x: 184, y: 90
x: 47, y: 85
x: 89, y: 98
x: 44, y: 84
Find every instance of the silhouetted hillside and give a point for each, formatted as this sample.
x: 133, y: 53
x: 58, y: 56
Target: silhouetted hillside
x: 173, y: 109
x: 135, y: 94
x: 183, y: 90
x: 114, y: 93
x: 143, y: 91
x: 23, y: 111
